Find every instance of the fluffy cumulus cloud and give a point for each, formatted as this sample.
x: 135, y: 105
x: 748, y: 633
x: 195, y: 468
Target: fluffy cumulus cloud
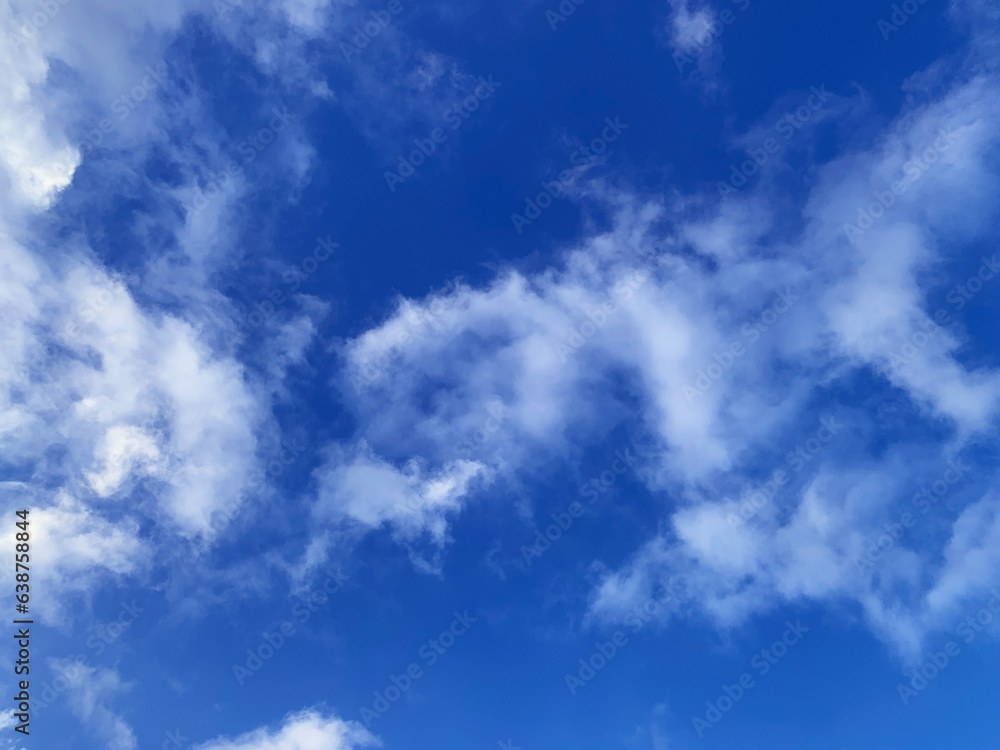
x: 734, y: 337
x: 128, y: 395
x: 307, y: 730
x: 38, y: 143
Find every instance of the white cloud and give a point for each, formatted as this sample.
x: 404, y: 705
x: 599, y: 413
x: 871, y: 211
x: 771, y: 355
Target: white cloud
x: 7, y: 724
x: 75, y: 549
x: 125, y: 392
x: 415, y: 503
x: 692, y: 26
x: 97, y: 391
x: 693, y: 32
x: 307, y: 15
x: 113, y: 411
x: 732, y: 574
x: 38, y: 162
x: 372, y: 492
x: 89, y: 691
x: 124, y: 447
x: 307, y: 730
x: 809, y: 310
x: 98, y: 39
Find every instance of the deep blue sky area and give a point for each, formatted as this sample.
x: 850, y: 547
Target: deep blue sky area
x: 560, y: 85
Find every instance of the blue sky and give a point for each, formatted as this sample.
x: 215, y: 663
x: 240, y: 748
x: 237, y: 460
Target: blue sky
x: 508, y: 376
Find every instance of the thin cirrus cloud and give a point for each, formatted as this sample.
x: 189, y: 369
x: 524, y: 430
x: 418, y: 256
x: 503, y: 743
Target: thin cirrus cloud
x: 88, y: 691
